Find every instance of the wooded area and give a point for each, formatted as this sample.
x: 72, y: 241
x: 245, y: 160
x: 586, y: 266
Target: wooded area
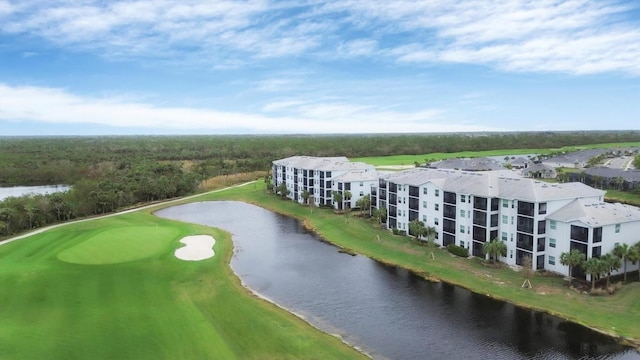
x: 108, y: 173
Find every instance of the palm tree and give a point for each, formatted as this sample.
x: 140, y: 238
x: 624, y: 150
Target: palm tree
x: 634, y: 256
x: 417, y: 229
x: 379, y: 214
x: 494, y: 248
x: 593, y: 268
x: 337, y: 197
x: 364, y: 203
x: 572, y: 259
x: 305, y: 196
x: 610, y: 263
x: 347, y: 198
x: 430, y: 233
x: 622, y: 253
x: 282, y: 190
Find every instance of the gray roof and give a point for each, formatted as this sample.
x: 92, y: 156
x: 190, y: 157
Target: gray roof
x: 596, y: 214
x: 605, y: 172
x: 322, y: 163
x: 470, y: 164
x: 357, y: 175
x: 581, y: 156
x: 503, y: 184
x: 540, y: 167
x: 519, y: 161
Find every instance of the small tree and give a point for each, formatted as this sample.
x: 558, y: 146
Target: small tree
x: 364, y: 203
x: 305, y: 197
x: 380, y: 214
x: 622, y: 253
x: 417, y: 229
x: 610, y: 263
x: 494, y: 248
x: 282, y: 190
x: 593, y: 268
x: 337, y: 198
x: 572, y: 259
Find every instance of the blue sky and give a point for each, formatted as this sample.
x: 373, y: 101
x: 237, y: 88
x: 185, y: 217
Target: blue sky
x: 83, y: 67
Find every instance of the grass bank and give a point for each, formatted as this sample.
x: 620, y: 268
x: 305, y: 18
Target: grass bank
x: 411, y: 159
x: 616, y: 315
x: 92, y: 290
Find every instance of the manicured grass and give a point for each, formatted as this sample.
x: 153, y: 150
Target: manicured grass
x: 411, y: 159
x: 122, y: 244
x: 624, y: 197
x: 618, y: 315
x: 134, y: 303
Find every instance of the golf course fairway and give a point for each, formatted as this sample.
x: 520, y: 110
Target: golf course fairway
x: 112, y: 288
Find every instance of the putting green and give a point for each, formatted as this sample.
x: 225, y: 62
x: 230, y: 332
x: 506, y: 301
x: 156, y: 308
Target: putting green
x: 120, y: 245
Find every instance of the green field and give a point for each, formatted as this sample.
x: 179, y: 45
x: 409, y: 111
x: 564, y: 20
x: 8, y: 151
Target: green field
x: 412, y: 159
x: 112, y: 289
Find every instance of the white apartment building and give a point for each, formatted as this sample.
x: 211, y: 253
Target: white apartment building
x: 471, y: 208
x: 593, y: 228
x: 322, y: 175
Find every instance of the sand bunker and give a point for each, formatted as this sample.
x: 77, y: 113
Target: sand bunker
x: 197, y: 247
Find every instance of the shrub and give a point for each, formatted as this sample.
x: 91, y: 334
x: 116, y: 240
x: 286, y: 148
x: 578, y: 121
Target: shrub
x: 458, y: 250
x: 395, y: 231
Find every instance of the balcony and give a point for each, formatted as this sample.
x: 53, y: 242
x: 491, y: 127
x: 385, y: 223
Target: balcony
x: 414, y: 191
x: 479, y: 218
x: 449, y: 198
x: 579, y: 233
x: 526, y: 208
x: 479, y: 203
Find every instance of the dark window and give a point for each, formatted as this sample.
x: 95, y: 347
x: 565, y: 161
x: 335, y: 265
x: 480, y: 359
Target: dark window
x: 414, y: 191
x: 392, y: 223
x: 525, y: 241
x: 393, y: 198
x: 521, y: 255
x: 541, y: 242
x: 597, y: 235
x: 328, y: 174
x: 495, y: 204
x: 382, y: 184
x: 328, y: 183
x: 392, y: 211
x: 525, y: 208
x: 347, y: 186
x: 449, y: 226
x: 596, y: 252
x: 494, y: 220
x: 449, y: 211
x: 479, y: 234
x: 525, y: 224
x: 448, y: 239
x: 339, y: 186
x: 414, y: 203
x: 413, y: 215
x: 540, y: 262
x: 476, y: 249
x: 579, y: 233
x: 479, y: 203
x: 393, y: 188
x: 542, y: 227
x: 479, y: 218
x: 542, y: 208
x: 494, y: 234
x: 449, y: 197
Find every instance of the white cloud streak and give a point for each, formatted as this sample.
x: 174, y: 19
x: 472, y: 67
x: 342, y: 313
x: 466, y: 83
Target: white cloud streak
x: 577, y: 36
x: 62, y: 107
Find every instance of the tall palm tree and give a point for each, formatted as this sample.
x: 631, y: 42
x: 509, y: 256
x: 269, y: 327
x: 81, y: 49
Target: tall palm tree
x: 494, y: 248
x: 572, y: 259
x: 337, y: 197
x: 622, y: 252
x: 634, y: 256
x: 379, y: 214
x: 305, y: 196
x: 593, y: 268
x: 417, y: 229
x: 611, y: 263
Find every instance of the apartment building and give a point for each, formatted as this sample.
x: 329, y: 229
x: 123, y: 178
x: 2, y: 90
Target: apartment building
x: 471, y: 208
x: 320, y: 176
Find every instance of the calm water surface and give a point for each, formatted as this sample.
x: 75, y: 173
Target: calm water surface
x: 387, y: 311
x: 6, y: 192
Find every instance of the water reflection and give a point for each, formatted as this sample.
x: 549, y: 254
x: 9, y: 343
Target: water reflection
x: 386, y: 310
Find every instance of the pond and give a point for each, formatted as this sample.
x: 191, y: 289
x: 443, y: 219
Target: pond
x: 6, y: 192
x: 387, y: 311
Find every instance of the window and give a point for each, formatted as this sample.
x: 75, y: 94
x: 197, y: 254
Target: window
x: 505, y: 203
x: 424, y: 204
x: 462, y: 213
x: 462, y: 229
x: 424, y: 218
x: 361, y: 183
x: 552, y: 224
x: 424, y: 191
x: 328, y: 174
x: 512, y: 220
x: 361, y: 193
x: 463, y: 198
x: 462, y: 243
x: 505, y: 219
x: 552, y: 242
x: 437, y: 207
x: 504, y: 236
x: 437, y: 192
x: 617, y: 228
x: 435, y: 221
x: 542, y: 208
x: 552, y: 260
x: 511, y: 254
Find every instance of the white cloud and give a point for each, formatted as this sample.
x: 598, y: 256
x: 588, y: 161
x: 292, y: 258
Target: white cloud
x: 58, y: 106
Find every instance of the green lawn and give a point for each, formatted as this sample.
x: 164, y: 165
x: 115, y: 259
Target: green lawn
x: 411, y: 159
x: 618, y: 315
x: 112, y: 289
